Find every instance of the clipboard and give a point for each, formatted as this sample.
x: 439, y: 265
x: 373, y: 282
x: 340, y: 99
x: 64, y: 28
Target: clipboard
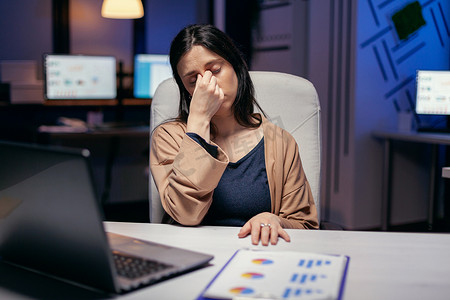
x: 268, y: 275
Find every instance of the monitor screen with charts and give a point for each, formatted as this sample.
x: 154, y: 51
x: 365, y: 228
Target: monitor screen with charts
x: 149, y: 71
x: 433, y: 92
x: 74, y: 77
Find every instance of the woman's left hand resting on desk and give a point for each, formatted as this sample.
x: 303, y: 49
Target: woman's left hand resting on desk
x: 265, y: 227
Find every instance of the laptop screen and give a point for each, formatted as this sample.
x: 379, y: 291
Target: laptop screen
x: 149, y: 71
x: 433, y: 92
x: 51, y: 222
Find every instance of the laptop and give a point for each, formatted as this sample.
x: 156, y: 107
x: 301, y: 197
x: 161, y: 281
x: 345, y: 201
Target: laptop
x: 51, y: 222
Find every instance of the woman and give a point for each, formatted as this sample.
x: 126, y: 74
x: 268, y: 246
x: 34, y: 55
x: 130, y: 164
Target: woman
x: 219, y: 163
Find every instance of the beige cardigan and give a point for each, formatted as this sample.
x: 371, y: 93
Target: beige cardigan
x: 186, y: 176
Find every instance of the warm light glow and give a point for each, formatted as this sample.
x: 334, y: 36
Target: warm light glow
x: 122, y: 9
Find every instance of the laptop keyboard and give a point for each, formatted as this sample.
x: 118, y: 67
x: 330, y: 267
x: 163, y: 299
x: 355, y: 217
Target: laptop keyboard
x: 134, y: 267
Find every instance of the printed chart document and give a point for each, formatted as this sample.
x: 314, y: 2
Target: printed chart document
x: 262, y: 274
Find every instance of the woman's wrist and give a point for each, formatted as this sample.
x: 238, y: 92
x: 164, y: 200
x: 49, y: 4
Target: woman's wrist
x: 199, y: 126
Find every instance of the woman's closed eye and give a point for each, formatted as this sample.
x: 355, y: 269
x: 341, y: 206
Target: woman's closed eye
x: 215, y: 70
x: 193, y: 80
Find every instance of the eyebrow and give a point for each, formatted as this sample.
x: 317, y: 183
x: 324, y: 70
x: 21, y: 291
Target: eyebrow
x: 216, y: 60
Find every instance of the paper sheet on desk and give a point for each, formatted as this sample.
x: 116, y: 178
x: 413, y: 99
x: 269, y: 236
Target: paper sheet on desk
x: 279, y: 275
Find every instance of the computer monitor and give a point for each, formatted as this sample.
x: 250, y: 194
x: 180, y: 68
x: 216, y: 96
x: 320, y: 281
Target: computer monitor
x: 149, y: 71
x: 433, y: 92
x: 72, y: 77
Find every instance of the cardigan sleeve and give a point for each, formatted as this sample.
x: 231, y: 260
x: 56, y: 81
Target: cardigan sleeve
x: 298, y: 209
x: 292, y: 199
x: 212, y: 150
x: 184, y: 173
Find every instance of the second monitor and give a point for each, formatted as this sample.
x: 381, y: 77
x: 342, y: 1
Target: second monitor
x: 79, y: 77
x: 149, y: 71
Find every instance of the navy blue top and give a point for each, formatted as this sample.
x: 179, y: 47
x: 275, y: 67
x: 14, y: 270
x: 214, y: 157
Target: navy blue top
x: 243, y: 190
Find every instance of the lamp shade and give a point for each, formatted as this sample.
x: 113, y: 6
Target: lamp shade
x: 122, y: 9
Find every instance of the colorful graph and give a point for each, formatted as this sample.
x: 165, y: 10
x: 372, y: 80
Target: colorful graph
x: 294, y: 292
x: 241, y: 290
x: 309, y: 263
x: 252, y: 275
x: 262, y: 261
x: 285, y: 275
x: 302, y: 278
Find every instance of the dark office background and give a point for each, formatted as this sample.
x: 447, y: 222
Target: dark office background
x: 350, y: 50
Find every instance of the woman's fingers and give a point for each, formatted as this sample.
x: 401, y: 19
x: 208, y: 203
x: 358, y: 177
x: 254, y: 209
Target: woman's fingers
x: 207, y: 97
x: 274, y: 235
x: 203, y: 80
x: 284, y: 235
x: 265, y: 233
x: 255, y: 234
x: 206, y: 82
x: 264, y: 227
x: 245, y: 230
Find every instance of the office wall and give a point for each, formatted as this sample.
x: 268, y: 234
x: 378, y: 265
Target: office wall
x: 90, y: 33
x: 280, y: 38
x: 386, y: 69
x: 331, y: 35
x: 359, y: 66
x: 25, y: 30
x: 164, y: 19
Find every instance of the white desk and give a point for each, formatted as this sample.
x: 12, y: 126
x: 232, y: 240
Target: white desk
x: 433, y: 139
x: 383, y: 265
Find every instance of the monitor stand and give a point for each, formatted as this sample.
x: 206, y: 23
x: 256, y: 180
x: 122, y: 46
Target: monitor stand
x: 445, y: 129
x: 434, y: 130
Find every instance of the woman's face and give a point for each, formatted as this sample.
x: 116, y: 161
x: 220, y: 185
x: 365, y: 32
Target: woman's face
x: 198, y: 60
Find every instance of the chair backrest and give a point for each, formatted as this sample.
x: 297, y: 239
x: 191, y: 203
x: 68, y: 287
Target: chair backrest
x: 291, y: 102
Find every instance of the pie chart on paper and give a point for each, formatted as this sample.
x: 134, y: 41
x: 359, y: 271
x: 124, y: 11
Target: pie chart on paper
x: 241, y: 291
x: 262, y: 261
x: 252, y: 275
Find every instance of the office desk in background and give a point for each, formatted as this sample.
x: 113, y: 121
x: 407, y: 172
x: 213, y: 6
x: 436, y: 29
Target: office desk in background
x: 383, y: 265
x: 119, y: 159
x: 434, y: 140
x: 68, y: 131
x: 446, y: 172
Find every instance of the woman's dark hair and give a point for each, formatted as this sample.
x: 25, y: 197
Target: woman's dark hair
x: 218, y: 42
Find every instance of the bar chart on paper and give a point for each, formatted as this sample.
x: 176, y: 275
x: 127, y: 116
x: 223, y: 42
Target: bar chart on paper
x: 280, y: 275
x: 309, y: 283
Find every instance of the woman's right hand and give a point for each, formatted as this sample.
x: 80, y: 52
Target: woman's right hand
x: 206, y: 101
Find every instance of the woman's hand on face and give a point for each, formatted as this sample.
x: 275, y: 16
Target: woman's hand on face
x: 265, y: 227
x: 207, y: 97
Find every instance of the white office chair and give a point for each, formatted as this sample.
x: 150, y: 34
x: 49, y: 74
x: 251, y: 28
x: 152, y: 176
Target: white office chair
x: 289, y: 101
